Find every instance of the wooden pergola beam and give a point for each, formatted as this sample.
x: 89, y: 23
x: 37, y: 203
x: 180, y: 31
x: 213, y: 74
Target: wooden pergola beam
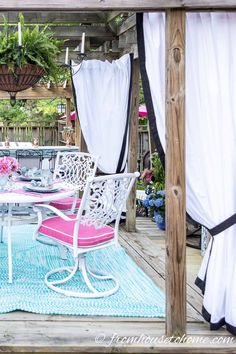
x: 53, y: 17
x: 75, y: 32
x: 110, y: 5
x: 40, y: 92
x: 175, y: 174
x: 112, y: 15
x: 73, y: 55
x: 130, y: 22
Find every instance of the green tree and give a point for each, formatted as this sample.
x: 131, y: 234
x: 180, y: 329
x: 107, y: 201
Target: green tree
x: 9, y: 114
x: 30, y: 110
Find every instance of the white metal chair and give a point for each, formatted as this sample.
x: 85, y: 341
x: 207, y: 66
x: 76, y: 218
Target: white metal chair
x: 73, y: 169
x: 102, y: 202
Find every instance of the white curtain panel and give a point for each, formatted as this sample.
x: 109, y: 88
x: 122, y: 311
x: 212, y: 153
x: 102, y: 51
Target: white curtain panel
x: 210, y: 141
x: 102, y: 96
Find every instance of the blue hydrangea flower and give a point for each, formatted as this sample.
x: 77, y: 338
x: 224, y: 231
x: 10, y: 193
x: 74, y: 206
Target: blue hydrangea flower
x: 161, y: 193
x: 152, y: 202
x: 146, y: 202
x: 158, y: 202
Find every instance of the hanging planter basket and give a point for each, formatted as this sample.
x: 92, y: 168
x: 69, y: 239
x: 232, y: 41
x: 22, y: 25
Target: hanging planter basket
x: 20, y: 79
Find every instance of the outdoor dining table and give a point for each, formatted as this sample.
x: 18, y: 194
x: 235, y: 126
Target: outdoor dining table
x: 18, y: 195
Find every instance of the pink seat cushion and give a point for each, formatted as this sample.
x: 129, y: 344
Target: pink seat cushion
x: 65, y: 203
x: 62, y: 231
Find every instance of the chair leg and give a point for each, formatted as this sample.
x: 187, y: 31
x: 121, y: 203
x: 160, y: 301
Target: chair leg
x: 1, y: 234
x: 80, y: 265
x: 1, y: 227
x: 63, y: 251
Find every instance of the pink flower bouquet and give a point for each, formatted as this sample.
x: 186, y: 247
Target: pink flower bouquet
x: 8, y: 165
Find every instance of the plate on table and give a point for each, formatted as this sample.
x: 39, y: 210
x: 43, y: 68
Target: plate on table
x: 28, y: 179
x: 39, y: 189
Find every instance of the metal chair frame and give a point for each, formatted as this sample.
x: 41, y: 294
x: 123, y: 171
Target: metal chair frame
x: 103, y: 201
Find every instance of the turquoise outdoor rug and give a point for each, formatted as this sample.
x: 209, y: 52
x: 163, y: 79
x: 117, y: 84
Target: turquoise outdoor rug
x: 137, y: 296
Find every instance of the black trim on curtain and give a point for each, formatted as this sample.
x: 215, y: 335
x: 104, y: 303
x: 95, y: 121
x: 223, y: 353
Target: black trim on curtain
x: 223, y: 225
x: 73, y: 89
x: 217, y: 325
x: 146, y: 88
x: 202, y: 283
x: 124, y: 143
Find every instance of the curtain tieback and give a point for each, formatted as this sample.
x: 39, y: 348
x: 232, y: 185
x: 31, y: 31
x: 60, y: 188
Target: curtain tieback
x: 223, y: 225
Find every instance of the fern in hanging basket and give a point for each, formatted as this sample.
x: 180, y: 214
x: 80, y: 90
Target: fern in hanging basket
x: 22, y: 66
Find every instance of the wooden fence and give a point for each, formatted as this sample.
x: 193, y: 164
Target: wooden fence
x: 50, y: 134
x: 47, y: 133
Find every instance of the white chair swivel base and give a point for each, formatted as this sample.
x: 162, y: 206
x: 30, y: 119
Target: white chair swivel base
x: 80, y: 265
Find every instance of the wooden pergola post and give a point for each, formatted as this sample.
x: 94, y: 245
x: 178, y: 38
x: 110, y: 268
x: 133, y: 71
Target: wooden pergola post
x: 79, y: 138
x: 133, y: 147
x: 68, y: 105
x: 77, y: 132
x: 175, y: 174
x: 83, y: 146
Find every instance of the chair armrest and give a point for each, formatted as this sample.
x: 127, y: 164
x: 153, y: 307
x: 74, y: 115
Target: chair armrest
x: 54, y: 210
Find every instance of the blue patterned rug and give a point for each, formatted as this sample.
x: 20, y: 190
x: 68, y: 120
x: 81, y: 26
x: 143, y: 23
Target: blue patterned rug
x: 137, y: 296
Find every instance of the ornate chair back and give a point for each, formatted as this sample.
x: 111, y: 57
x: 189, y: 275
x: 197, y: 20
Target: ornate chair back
x: 74, y: 168
x: 103, y: 201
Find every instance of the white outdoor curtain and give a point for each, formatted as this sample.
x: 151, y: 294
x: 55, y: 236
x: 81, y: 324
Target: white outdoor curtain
x: 210, y: 142
x: 102, y: 91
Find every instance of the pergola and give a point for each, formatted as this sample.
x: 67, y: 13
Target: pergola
x: 107, y: 38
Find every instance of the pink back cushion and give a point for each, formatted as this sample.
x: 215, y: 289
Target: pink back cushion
x: 65, y: 203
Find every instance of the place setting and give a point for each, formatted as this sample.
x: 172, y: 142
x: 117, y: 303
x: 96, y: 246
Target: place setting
x: 38, y: 180
x: 26, y: 174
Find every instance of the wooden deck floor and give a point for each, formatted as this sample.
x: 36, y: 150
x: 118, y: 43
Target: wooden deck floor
x: 30, y: 333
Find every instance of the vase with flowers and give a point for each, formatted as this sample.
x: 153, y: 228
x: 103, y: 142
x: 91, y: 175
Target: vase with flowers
x: 8, y: 165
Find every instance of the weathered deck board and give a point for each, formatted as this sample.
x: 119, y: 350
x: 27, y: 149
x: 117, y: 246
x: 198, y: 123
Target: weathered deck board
x: 155, y: 257
x: 157, y: 276
x: 93, y: 336
x: 149, y: 229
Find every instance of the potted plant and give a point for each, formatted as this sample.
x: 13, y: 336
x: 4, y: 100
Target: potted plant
x: 154, y: 184
x: 26, y: 55
x: 155, y: 202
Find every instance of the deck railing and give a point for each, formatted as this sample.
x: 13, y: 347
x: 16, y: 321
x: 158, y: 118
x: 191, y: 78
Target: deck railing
x: 47, y: 133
